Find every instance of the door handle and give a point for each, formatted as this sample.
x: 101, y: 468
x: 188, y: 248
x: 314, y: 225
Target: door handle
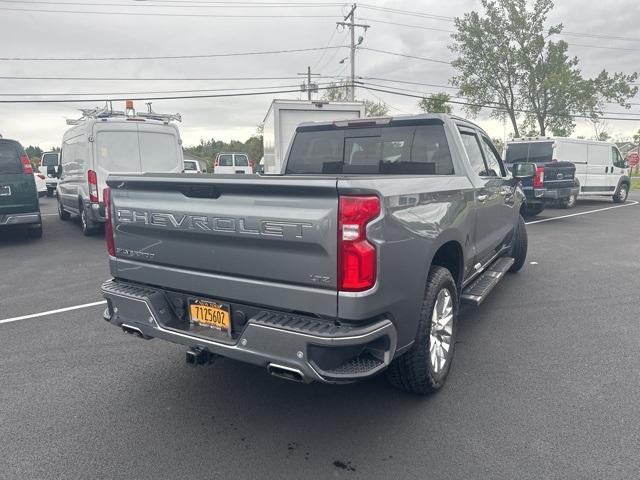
x: 482, y: 198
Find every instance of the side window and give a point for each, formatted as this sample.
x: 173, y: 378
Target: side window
x: 472, y: 146
x: 494, y: 162
x: 618, y: 161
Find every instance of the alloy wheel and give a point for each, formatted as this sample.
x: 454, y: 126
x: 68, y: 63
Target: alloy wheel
x: 441, y: 330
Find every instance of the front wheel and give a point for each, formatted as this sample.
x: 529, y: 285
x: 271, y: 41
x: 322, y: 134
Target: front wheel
x: 425, y: 367
x: 622, y: 194
x: 62, y: 213
x: 520, y: 246
x: 533, y: 210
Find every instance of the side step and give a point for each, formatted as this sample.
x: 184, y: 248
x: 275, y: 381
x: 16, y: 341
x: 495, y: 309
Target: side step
x: 476, y: 292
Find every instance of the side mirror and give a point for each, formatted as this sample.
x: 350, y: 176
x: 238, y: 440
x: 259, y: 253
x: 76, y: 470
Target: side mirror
x: 523, y: 171
x: 626, y: 164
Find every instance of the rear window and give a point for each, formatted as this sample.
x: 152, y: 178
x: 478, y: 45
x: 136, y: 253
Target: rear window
x: 10, y: 157
x: 242, y: 161
x: 419, y: 150
x: 158, y: 152
x: 49, y: 160
x: 225, y: 161
x: 536, y: 152
x: 190, y: 165
x: 118, y: 151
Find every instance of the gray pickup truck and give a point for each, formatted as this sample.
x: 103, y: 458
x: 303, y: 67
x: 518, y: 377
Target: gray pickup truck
x: 353, y: 261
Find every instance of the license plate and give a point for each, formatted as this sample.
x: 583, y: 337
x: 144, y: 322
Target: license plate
x: 210, y: 314
x: 5, y: 191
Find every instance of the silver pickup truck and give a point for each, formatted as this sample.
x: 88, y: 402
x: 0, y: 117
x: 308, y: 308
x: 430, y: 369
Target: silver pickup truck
x: 353, y: 261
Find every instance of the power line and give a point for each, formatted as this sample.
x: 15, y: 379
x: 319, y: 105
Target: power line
x: 324, y: 52
x: 151, y: 3
x: 168, y: 57
x: 155, y: 14
x: 405, y: 56
x: 147, y: 79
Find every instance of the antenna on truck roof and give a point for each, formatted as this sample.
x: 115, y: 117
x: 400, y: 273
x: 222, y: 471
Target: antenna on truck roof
x: 107, y: 111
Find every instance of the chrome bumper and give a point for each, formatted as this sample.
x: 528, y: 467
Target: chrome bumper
x: 20, y: 218
x: 294, y: 342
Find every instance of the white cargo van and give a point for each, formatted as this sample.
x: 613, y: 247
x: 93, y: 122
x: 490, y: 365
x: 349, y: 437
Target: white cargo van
x: 104, y: 141
x: 600, y: 168
x: 284, y: 116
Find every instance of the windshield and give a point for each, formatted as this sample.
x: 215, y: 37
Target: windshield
x: 536, y: 152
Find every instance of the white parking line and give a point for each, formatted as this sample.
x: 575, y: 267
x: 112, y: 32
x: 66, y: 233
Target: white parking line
x: 633, y: 202
x: 51, y: 312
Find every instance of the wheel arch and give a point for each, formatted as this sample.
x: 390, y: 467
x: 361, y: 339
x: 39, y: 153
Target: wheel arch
x: 450, y: 255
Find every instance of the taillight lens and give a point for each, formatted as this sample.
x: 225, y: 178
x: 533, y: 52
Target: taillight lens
x: 357, y: 257
x: 216, y: 163
x: 538, y: 180
x: 93, y: 186
x: 42, y: 177
x: 108, y: 226
x: 26, y: 164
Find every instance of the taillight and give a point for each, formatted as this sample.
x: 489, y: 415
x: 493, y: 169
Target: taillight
x: 108, y: 226
x: 26, y: 164
x: 42, y: 177
x: 357, y: 257
x: 216, y: 163
x: 538, y: 180
x: 93, y: 186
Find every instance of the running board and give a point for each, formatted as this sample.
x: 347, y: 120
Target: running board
x: 478, y: 290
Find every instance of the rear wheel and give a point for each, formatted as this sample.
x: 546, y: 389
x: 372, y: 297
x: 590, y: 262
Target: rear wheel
x: 50, y: 192
x: 88, y: 227
x: 425, y: 367
x: 533, y: 210
x: 569, y: 202
x: 622, y: 193
x: 520, y: 245
x: 35, y: 231
x: 62, y: 213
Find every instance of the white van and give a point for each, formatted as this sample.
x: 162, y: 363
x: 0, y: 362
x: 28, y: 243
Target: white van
x: 104, y: 142
x: 230, y: 163
x: 600, y: 168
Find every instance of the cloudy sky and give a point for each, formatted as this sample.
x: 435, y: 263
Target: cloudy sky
x: 125, y: 28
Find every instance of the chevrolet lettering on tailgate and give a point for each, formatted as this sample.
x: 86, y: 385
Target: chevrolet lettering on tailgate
x: 266, y: 228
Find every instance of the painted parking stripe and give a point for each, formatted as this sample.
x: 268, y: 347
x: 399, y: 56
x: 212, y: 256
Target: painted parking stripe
x: 633, y: 202
x: 51, y: 312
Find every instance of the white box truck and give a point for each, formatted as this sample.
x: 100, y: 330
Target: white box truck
x: 284, y: 116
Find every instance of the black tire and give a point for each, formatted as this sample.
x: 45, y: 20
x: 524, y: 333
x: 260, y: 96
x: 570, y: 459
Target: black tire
x: 621, y: 194
x: 569, y: 202
x: 88, y: 227
x: 533, y: 210
x: 49, y: 192
x: 520, y: 245
x: 35, y: 232
x: 414, y: 371
x: 62, y: 213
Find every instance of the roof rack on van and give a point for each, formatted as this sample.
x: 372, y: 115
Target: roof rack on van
x: 107, y: 111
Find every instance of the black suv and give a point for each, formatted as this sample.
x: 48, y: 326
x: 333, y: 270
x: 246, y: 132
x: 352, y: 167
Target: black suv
x: 18, y: 195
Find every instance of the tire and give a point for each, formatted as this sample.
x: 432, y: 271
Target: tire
x: 533, y: 210
x: 35, y: 232
x: 569, y: 202
x: 62, y: 213
x: 519, y: 247
x: 621, y: 194
x: 49, y: 192
x: 422, y: 370
x: 88, y: 227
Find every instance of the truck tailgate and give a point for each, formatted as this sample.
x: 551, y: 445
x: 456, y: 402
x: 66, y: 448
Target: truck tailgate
x: 559, y: 175
x: 251, y: 229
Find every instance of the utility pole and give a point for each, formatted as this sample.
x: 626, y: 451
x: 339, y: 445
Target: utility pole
x: 308, y: 86
x: 352, y: 26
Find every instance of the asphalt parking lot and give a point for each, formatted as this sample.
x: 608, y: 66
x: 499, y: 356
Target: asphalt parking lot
x: 545, y: 383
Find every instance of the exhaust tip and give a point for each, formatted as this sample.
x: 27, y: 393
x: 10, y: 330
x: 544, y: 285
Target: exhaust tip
x: 286, y: 373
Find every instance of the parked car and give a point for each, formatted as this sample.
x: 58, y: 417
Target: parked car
x: 554, y: 181
x: 192, y: 166
x: 18, y: 195
x: 49, y: 165
x: 103, y: 142
x: 600, y: 168
x: 231, y: 163
x: 352, y: 262
x: 41, y: 184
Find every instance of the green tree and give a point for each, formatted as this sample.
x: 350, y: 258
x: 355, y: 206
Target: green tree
x: 520, y: 69
x: 498, y: 143
x: 436, y: 103
x: 339, y: 92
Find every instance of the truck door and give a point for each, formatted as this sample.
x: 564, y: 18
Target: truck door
x: 494, y: 197
x: 598, y: 170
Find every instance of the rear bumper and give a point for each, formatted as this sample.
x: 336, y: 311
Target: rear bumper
x: 319, y: 350
x: 20, y: 219
x: 559, y: 193
x: 96, y: 212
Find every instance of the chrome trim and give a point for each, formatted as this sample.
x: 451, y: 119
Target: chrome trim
x: 20, y: 218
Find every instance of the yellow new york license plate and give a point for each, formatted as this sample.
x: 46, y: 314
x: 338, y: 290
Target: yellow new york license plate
x: 210, y: 314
